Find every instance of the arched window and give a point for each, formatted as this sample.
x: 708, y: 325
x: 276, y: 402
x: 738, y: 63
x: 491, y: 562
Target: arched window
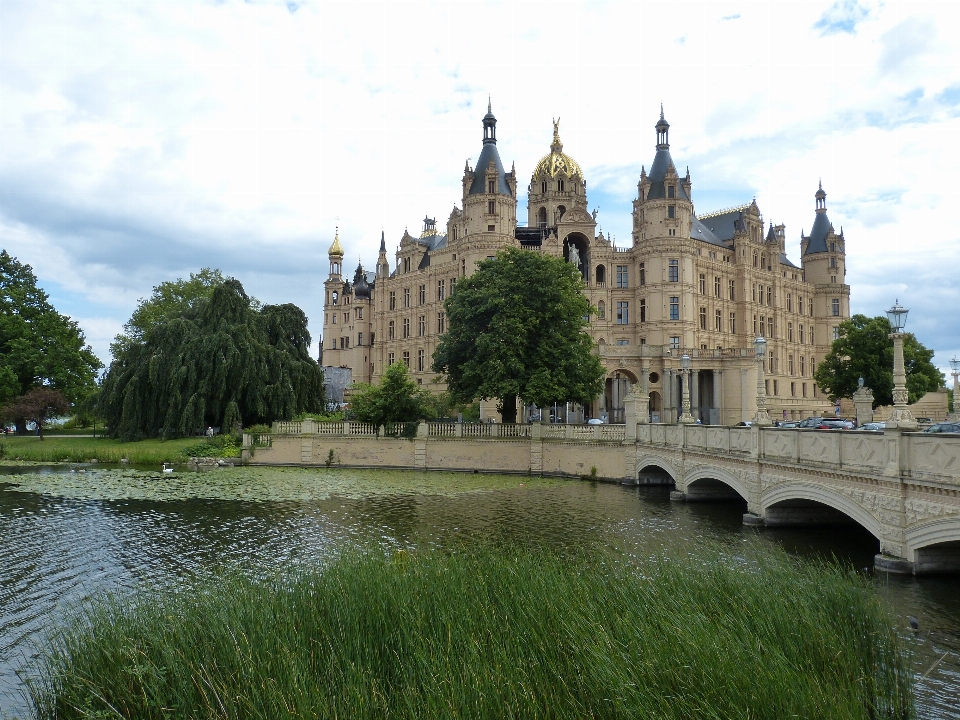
x: 602, y: 310
x: 755, y: 261
x: 542, y: 217
x: 601, y: 275
x: 560, y: 185
x: 543, y: 186
x: 560, y: 211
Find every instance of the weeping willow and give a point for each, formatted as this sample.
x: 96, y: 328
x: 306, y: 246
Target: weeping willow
x: 219, y: 364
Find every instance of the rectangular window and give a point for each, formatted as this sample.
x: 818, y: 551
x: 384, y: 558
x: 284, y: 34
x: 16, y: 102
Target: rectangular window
x: 716, y: 287
x: 391, y: 358
x: 441, y: 289
x: 800, y: 328
x: 421, y: 360
x: 643, y: 274
x: 674, y: 308
x: 763, y: 327
x: 671, y: 211
x: 406, y: 358
x: 753, y: 292
x: 836, y: 333
x: 675, y: 342
x: 790, y: 364
x: 422, y: 326
x: 602, y: 310
x: 670, y: 192
x: 622, y: 341
x: 423, y: 294
x: 490, y: 208
x: 643, y: 310
x: 674, y: 270
x: 406, y: 297
x: 804, y: 388
x: 703, y: 318
x: 453, y: 284
x: 776, y: 387
x: 769, y: 295
x: 406, y: 327
x: 793, y: 389
x: 393, y: 300
x: 733, y: 322
x: 622, y: 276
x: 803, y: 366
x: 334, y: 318
x: 441, y: 322
x: 716, y: 321
x: 491, y: 228
x: 623, y: 312
x: 391, y: 331
x: 359, y: 339
x: 814, y: 389
x: 358, y: 312
x: 733, y: 290
x: 790, y: 331
x: 703, y: 284
x: 789, y: 303
x: 754, y: 324
x: 835, y: 307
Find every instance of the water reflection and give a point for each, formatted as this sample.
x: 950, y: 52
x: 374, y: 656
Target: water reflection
x: 58, y: 551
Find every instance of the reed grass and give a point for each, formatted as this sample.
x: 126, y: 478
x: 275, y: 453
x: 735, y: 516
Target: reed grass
x: 82, y: 449
x: 491, y: 633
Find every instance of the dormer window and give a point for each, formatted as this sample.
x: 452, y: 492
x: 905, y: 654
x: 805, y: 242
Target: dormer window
x: 670, y: 192
x: 491, y: 186
x: 833, y: 247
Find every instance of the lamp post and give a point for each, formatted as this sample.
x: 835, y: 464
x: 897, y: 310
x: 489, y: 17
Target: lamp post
x: 685, y: 418
x: 955, y: 366
x: 762, y: 417
x: 901, y: 416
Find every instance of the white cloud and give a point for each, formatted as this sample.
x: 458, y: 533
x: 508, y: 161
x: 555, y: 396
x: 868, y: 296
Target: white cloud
x: 142, y: 141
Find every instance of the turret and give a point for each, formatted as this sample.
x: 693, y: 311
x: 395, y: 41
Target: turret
x: 383, y: 265
x: 489, y: 192
x: 663, y: 206
x: 335, y: 253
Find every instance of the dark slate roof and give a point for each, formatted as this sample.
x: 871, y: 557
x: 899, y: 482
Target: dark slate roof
x: 433, y: 242
x: 699, y: 231
x: 784, y: 260
x: 662, y: 162
x: 818, y: 235
x: 528, y: 235
x: 487, y: 155
x: 726, y: 224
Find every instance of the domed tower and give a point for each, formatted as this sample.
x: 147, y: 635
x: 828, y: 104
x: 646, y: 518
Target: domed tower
x: 823, y: 256
x: 556, y: 187
x: 663, y: 207
x: 332, y: 304
x: 335, y: 253
x: 489, y: 192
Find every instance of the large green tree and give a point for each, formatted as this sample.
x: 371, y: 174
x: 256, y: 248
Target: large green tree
x: 864, y: 349
x: 218, y: 362
x: 517, y: 331
x: 39, y: 347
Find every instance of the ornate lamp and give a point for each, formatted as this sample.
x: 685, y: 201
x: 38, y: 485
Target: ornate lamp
x: 762, y: 417
x: 686, y: 418
x: 901, y: 416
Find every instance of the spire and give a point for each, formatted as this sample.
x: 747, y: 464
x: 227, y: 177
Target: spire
x: 663, y: 130
x: 336, y: 249
x: 489, y: 125
x: 383, y: 242
x: 821, y: 197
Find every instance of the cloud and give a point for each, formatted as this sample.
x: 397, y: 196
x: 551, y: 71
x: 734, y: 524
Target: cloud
x: 906, y: 43
x: 842, y: 17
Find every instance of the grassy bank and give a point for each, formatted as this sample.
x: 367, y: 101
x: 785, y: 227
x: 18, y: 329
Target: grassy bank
x: 488, y: 633
x: 81, y: 449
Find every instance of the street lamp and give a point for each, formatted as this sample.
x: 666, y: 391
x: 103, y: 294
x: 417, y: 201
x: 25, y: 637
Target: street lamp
x: 762, y: 417
x: 686, y: 418
x: 901, y: 416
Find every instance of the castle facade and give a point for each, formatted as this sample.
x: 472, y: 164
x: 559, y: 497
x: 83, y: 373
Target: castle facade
x: 701, y: 285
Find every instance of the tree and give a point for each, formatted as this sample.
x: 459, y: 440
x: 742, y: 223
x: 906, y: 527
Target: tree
x: 864, y: 349
x: 396, y: 399
x: 516, y: 330
x: 37, y: 406
x: 38, y: 345
x: 219, y: 362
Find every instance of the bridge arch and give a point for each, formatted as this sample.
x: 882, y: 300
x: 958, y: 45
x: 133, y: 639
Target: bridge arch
x: 823, y: 496
x: 934, y: 545
x: 704, y: 476
x: 656, y: 461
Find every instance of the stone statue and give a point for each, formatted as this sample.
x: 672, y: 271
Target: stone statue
x: 573, y: 255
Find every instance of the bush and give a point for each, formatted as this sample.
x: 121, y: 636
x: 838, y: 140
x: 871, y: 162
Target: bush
x: 218, y: 446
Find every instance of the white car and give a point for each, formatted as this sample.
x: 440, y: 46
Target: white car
x: 594, y: 421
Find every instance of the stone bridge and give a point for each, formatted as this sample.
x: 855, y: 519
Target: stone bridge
x: 903, y: 487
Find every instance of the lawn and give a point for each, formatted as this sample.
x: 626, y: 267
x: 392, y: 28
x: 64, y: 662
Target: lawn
x: 81, y: 449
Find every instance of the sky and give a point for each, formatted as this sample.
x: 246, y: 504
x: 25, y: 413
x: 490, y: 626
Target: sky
x: 143, y: 141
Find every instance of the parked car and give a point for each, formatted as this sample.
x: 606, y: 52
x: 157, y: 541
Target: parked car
x: 837, y: 424
x: 594, y: 421
x: 790, y: 424
x: 813, y: 422
x: 745, y: 423
x: 873, y: 426
x: 944, y: 427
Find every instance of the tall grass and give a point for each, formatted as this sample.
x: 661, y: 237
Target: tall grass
x: 81, y: 449
x: 490, y: 633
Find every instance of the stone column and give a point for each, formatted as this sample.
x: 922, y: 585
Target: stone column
x: 901, y: 416
x: 694, y: 378
x: 718, y: 394
x: 863, y: 402
x: 744, y: 413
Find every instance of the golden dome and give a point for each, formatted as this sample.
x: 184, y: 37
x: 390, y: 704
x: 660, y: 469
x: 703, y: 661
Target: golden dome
x: 557, y: 162
x: 336, y: 250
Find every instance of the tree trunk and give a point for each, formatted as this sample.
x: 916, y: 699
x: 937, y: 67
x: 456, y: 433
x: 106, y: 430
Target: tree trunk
x: 21, y: 424
x: 508, y: 409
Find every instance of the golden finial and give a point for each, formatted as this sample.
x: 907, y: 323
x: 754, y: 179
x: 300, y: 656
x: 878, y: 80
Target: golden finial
x: 336, y: 250
x: 556, y: 145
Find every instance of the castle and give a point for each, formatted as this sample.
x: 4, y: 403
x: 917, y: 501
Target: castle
x: 704, y: 286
